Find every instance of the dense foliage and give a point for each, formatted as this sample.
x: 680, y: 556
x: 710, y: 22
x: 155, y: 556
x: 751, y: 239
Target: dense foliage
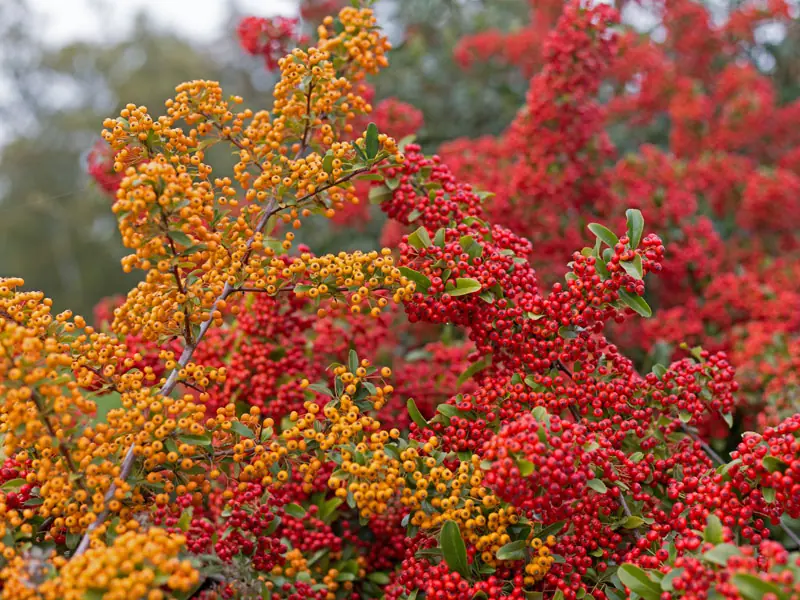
x: 457, y: 415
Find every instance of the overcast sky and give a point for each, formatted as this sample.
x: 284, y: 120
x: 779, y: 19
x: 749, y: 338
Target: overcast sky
x: 64, y: 21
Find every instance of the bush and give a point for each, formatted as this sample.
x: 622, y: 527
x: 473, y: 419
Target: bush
x: 236, y: 426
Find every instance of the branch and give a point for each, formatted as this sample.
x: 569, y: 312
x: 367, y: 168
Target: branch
x: 169, y: 386
x: 188, y: 352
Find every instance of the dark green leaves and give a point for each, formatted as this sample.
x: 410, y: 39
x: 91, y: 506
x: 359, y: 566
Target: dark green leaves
x: 415, y: 415
x: 635, y: 303
x: 604, y: 233
x: 464, y: 286
x: 720, y: 554
x: 635, y: 226
x: 713, y: 530
x: 597, y: 485
x: 512, y: 551
x: 453, y: 548
x: 420, y: 238
x: 474, y: 368
x: 423, y: 283
x: 636, y: 580
x: 295, y: 510
x: 753, y: 588
x: 371, y: 142
x: 633, y: 267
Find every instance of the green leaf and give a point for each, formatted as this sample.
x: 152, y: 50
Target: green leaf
x: 728, y: 418
x: 597, y: 485
x: 551, y: 529
x: 378, y: 577
x: 12, y: 485
x: 666, y: 581
x: 636, y: 580
x: 769, y: 494
x: 633, y: 267
x: 604, y: 233
x: 752, y: 587
x: 295, y: 510
x: 636, y: 303
x: 659, y: 370
x: 525, y: 467
x: 465, y: 285
x: 713, y: 531
x: 371, y: 141
x: 420, y: 238
x: 327, y: 162
x: 567, y: 333
x: 475, y: 367
x: 321, y: 388
x: 633, y: 522
x: 379, y: 194
x: 512, y: 550
x: 242, y: 429
x: 772, y: 464
x: 415, y: 415
x: 195, y: 440
x: 439, y: 237
x: 720, y: 554
x: 635, y: 226
x: 185, y: 520
x: 423, y: 283
x: 352, y: 361
x: 181, y: 238
x: 453, y: 548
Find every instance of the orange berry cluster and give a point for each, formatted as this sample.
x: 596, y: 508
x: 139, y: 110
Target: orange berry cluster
x: 136, y: 565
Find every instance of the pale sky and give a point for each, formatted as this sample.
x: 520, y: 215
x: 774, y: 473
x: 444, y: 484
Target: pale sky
x: 63, y: 21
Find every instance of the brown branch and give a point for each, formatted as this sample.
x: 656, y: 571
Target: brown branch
x: 62, y: 450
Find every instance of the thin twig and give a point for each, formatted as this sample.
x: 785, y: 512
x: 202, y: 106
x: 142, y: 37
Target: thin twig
x: 627, y: 510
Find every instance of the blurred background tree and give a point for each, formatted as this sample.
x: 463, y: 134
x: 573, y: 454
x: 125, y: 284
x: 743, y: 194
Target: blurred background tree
x: 56, y: 229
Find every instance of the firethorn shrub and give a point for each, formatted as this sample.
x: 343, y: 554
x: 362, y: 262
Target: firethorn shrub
x: 237, y: 425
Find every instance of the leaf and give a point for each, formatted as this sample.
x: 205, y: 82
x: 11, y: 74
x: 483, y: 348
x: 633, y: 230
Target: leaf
x: 378, y: 577
x: 728, y: 418
x: 752, y: 587
x: 475, y: 367
x: 769, y: 494
x: 551, y: 529
x: 525, y: 467
x: 321, y: 388
x: 666, y: 581
x: 773, y: 464
x: 512, y: 551
x: 720, y: 554
x: 633, y: 267
x: 415, y: 415
x: 195, y: 440
x: 12, y: 485
x: 636, y: 303
x: 659, y: 370
x: 379, y: 194
x: 371, y: 141
x: 636, y: 580
x: 185, y: 520
x: 597, y: 485
x: 420, y: 238
x: 327, y: 162
x: 567, y: 333
x: 453, y: 548
x: 604, y: 233
x: 713, y: 531
x: 465, y: 285
x: 295, y: 510
x: 439, y: 238
x: 633, y: 522
x: 635, y: 226
x: 242, y: 429
x: 352, y: 361
x: 423, y: 283
x: 181, y: 238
